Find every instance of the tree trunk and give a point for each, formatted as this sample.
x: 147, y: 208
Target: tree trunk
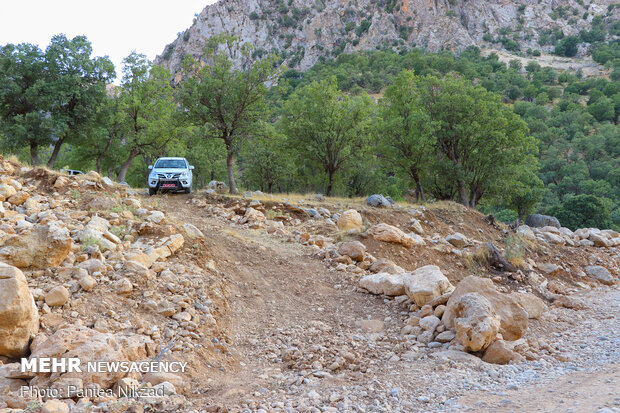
x: 476, y: 196
x: 52, y: 161
x: 105, y: 151
x: 419, y: 190
x: 126, y: 165
x: 229, y: 166
x: 34, y: 154
x: 330, y: 185
x: 463, y: 193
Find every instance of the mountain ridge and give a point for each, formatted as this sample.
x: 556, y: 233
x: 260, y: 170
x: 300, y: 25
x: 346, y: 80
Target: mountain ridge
x: 304, y: 33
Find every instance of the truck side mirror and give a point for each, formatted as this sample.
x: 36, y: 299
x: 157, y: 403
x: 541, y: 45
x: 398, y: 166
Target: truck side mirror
x: 150, y: 167
x: 191, y: 167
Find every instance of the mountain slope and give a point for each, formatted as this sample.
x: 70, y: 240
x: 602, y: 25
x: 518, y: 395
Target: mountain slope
x: 304, y: 32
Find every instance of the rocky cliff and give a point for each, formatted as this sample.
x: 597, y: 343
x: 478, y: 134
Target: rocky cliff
x: 304, y: 32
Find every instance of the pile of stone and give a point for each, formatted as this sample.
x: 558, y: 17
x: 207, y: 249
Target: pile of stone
x: 473, y: 317
x: 548, y: 230
x: 68, y: 243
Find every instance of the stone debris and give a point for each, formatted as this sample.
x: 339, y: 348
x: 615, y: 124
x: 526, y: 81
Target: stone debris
x: 87, y: 270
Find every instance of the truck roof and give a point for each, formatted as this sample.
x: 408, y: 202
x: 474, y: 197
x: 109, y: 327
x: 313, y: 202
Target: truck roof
x: 171, y: 158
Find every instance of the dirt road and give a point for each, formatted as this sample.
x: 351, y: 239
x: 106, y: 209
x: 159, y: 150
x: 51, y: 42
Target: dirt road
x: 294, y: 324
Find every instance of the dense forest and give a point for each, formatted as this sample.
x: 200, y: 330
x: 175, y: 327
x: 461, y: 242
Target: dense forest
x: 499, y: 137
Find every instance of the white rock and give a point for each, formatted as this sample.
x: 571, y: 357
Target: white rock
x: 57, y: 296
x: 425, y: 284
x: 383, y: 283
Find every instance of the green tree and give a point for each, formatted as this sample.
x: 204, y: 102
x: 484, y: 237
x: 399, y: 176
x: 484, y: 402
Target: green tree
x: 24, y: 99
x: 102, y: 147
x: 567, y: 46
x: 148, y: 110
x: 227, y: 102
x: 77, y: 83
x: 602, y: 109
x: 327, y: 126
x: 482, y: 140
x: 582, y: 211
x: 406, y: 131
x: 262, y: 160
x: 524, y: 193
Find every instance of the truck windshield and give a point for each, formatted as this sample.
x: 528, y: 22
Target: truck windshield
x: 170, y: 164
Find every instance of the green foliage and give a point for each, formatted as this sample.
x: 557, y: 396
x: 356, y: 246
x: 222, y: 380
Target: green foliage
x: 524, y: 191
x: 362, y: 28
x: 482, y: 143
x: 327, y: 127
x: 50, y: 98
x: 582, y: 211
x: 24, y: 100
x: 263, y: 162
x: 226, y: 103
x: 406, y: 131
x: 606, y: 52
x: 78, y: 85
x: 567, y: 46
x: 169, y: 51
x: 147, y: 110
x: 445, y: 125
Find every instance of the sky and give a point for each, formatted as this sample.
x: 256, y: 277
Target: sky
x: 114, y: 27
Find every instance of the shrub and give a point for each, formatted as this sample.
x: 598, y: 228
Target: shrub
x: 567, y: 46
x: 582, y: 211
x: 362, y: 28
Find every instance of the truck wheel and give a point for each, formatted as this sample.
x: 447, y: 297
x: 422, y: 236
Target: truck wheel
x: 188, y: 190
x: 152, y: 191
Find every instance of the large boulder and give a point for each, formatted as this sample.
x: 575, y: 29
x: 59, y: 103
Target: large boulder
x: 475, y: 321
x: 354, y: 249
x: 383, y: 283
x: 192, y: 231
x: 600, y: 274
x: 458, y: 240
x: 217, y: 186
x: 527, y: 232
x: 350, y: 220
x: 500, y: 353
x: 164, y: 249
x: 385, y: 265
x: 512, y: 316
x: 11, y: 392
x: 539, y: 221
x: 533, y: 305
x: 57, y: 296
x: 388, y: 233
x: 379, y: 201
x: 253, y: 216
x: 41, y: 247
x: 90, y: 345
x: 19, y: 317
x: 552, y: 238
x: 6, y: 191
x: 425, y: 284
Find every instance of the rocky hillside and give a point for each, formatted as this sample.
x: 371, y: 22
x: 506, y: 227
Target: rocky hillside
x: 299, y: 304
x: 305, y: 32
